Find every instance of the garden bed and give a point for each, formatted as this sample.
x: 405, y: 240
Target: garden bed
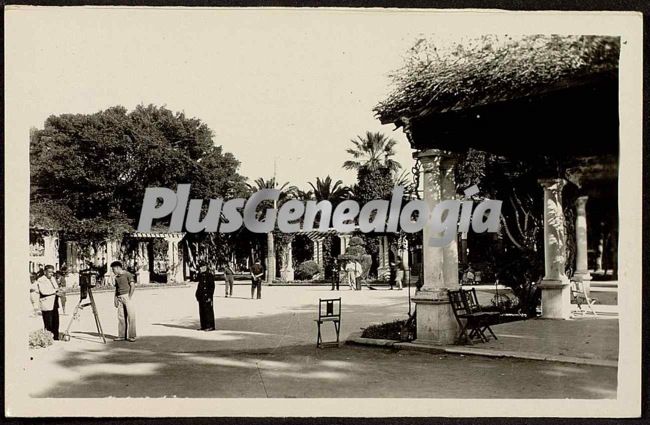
x: 392, y: 330
x: 396, y: 331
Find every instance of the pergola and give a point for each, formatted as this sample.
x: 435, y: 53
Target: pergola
x: 548, y: 97
x: 316, y: 237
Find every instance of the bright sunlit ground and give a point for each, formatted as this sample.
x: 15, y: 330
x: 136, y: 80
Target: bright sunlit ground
x: 266, y: 348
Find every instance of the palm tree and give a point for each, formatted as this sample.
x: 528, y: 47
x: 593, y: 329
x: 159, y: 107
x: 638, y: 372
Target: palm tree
x: 302, y: 194
x: 286, y: 193
x: 402, y: 179
x: 324, y: 190
x: 372, y: 152
x: 260, y: 183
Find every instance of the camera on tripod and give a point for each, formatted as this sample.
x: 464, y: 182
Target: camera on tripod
x: 87, y: 280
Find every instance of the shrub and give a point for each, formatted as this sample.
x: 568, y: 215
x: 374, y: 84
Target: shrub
x: 397, y: 330
x: 40, y: 339
x: 307, y: 270
x: 356, y: 241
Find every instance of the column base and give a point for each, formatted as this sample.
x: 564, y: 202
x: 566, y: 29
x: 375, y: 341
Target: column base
x: 436, y: 323
x: 556, y: 299
x: 287, y: 275
x: 585, y: 278
x: 143, y: 277
x: 383, y: 273
x: 174, y: 278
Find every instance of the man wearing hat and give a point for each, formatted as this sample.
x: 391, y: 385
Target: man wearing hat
x: 48, y: 290
x: 204, y: 296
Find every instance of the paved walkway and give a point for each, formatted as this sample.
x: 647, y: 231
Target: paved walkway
x: 266, y: 348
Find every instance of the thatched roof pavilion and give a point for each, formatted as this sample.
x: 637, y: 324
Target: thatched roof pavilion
x: 548, y: 100
x: 526, y: 96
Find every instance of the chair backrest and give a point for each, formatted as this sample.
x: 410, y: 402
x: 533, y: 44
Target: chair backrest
x: 577, y: 288
x: 464, y: 301
x: 471, y: 300
x: 457, y: 303
x: 332, y: 308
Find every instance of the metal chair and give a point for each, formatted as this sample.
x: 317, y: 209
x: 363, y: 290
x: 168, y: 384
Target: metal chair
x: 579, y: 295
x: 332, y: 313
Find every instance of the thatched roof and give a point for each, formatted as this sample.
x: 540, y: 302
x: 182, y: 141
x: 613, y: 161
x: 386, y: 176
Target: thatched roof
x: 436, y: 79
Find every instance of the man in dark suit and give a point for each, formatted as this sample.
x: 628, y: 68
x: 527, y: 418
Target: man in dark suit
x: 257, y: 273
x: 205, y: 295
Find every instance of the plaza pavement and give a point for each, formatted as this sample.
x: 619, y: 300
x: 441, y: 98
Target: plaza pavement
x: 266, y: 348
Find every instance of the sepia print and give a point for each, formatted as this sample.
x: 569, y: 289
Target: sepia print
x: 373, y: 207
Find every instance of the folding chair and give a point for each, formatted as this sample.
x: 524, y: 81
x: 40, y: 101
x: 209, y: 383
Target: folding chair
x: 579, y: 295
x: 486, y: 318
x: 470, y: 317
x: 332, y: 314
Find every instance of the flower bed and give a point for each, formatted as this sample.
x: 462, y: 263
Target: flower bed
x: 395, y: 330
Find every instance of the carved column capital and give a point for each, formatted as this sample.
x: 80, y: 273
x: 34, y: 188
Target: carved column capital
x: 552, y: 185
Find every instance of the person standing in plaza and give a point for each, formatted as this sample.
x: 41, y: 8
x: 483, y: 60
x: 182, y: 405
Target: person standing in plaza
x: 392, y: 275
x: 335, y: 274
x: 124, y: 289
x: 229, y: 274
x: 48, y: 291
x: 400, y: 273
x: 257, y: 273
x: 205, y: 297
x: 353, y: 271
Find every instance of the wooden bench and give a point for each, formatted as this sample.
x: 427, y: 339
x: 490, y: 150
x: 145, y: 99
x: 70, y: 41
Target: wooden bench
x: 332, y: 313
x: 471, y: 317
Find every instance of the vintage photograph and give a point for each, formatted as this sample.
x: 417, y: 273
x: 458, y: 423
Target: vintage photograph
x: 244, y: 204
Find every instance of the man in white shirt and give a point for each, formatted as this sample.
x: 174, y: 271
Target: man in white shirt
x: 48, y: 291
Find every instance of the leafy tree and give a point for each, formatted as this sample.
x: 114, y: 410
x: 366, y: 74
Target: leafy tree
x: 89, y: 172
x: 373, y: 184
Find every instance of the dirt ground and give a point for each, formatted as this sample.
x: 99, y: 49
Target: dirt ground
x: 266, y: 348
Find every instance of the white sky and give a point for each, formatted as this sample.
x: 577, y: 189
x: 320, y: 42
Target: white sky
x: 290, y: 87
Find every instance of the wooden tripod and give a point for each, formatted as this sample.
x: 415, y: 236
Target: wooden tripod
x: 85, y: 292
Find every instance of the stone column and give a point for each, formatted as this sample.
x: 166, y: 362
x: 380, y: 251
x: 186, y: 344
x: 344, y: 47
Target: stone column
x: 142, y: 263
x: 582, y: 266
x: 287, y: 272
x: 404, y: 251
x: 436, y: 323
x: 317, y: 255
x: 72, y: 261
x: 342, y: 244
x: 599, y: 253
x: 112, y: 251
x: 51, y: 250
x: 345, y: 242
x: 383, y: 271
x: 463, y: 249
x: 448, y: 191
x: 556, y: 301
x: 174, y: 259
x: 270, y: 257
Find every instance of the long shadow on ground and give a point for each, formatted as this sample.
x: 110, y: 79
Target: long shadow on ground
x: 275, y: 356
